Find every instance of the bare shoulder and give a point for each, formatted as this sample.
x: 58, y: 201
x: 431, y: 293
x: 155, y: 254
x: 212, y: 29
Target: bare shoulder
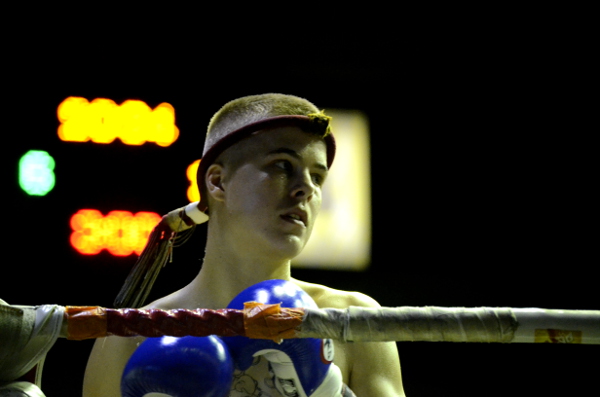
x: 168, y: 302
x: 110, y: 355
x: 370, y: 369
x: 180, y: 299
x: 335, y: 298
x: 105, y: 365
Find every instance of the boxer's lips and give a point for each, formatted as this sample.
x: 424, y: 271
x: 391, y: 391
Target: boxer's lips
x: 296, y: 217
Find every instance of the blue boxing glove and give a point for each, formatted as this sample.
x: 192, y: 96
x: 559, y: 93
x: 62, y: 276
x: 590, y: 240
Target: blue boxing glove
x: 179, y: 367
x: 302, y: 367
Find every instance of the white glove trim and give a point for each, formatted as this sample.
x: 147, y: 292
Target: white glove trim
x: 283, y: 367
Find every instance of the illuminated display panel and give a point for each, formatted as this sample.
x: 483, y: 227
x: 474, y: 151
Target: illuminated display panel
x: 36, y: 173
x: 119, y: 232
x: 341, y: 238
x: 103, y: 121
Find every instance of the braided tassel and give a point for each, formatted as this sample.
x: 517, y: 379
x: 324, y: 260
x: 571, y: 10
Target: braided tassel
x: 173, y: 230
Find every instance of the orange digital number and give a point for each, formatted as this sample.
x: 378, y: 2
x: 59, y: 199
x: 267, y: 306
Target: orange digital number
x: 103, y: 121
x: 120, y: 232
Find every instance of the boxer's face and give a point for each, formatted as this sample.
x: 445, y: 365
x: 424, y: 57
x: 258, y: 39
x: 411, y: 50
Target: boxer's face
x: 272, y: 193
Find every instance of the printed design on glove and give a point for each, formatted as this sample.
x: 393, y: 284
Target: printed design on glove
x: 245, y: 383
x: 327, y: 351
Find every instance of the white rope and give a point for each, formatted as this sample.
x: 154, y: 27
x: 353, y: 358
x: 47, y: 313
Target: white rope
x: 443, y: 324
x: 42, y: 324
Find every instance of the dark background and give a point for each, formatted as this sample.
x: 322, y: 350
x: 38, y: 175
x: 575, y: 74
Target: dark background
x: 482, y: 174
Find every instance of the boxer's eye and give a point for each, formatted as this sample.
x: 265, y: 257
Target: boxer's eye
x: 284, y: 165
x: 318, y: 179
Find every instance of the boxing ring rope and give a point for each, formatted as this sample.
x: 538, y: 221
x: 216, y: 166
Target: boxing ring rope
x: 355, y: 324
x: 32, y: 330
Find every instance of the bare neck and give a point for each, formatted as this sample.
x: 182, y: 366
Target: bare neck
x: 226, y: 272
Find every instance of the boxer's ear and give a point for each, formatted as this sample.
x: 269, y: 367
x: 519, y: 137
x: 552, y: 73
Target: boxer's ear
x: 214, y: 181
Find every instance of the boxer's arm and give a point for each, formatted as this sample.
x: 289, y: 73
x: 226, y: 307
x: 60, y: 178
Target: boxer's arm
x: 106, y: 364
x: 376, y: 370
x: 374, y: 366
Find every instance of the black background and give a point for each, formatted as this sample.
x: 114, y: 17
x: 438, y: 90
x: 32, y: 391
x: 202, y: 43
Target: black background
x: 482, y: 173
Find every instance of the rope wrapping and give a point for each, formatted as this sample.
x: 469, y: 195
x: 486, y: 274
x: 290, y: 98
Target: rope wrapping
x: 358, y: 324
x: 96, y: 322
